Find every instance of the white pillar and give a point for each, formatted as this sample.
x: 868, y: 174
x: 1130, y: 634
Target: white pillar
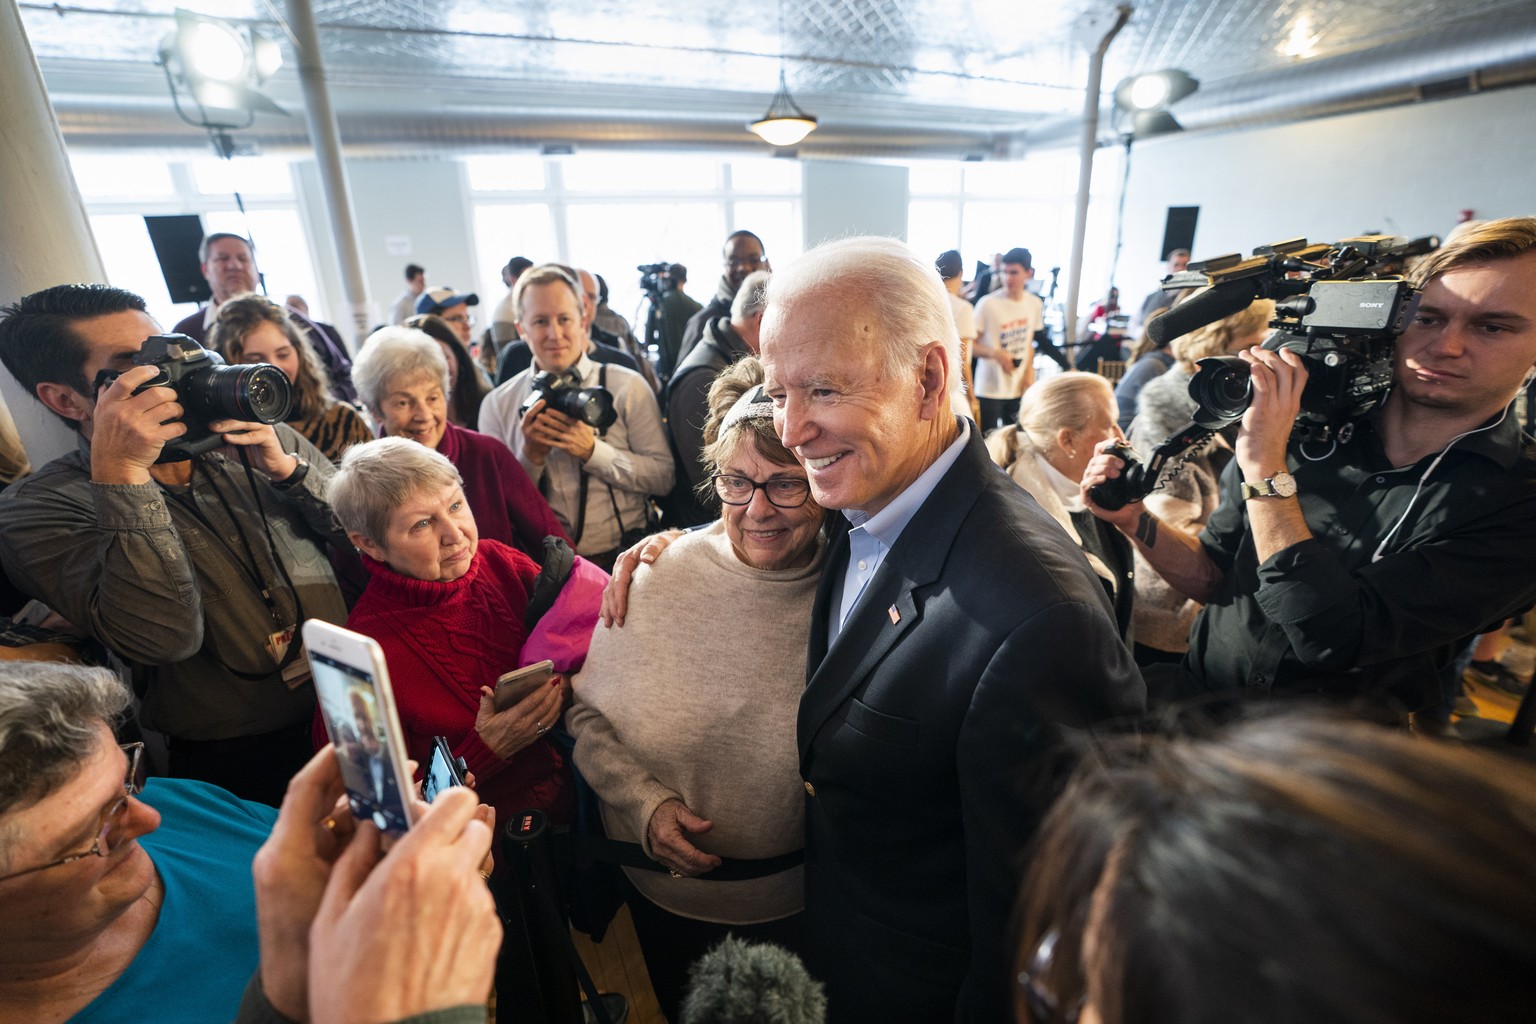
x: 45, y: 236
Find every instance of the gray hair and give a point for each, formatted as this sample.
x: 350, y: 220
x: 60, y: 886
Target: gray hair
x: 49, y: 712
x: 395, y: 352
x: 752, y: 297
x: 376, y: 477
x: 910, y: 303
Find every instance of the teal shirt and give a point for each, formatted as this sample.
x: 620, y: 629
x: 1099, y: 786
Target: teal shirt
x: 203, y: 951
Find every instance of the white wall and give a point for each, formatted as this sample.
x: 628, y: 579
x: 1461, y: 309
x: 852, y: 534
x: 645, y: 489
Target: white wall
x: 1404, y: 170
x: 845, y: 198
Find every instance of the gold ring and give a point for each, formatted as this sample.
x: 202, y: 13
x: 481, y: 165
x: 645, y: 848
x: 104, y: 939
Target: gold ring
x: 678, y: 874
x: 330, y: 824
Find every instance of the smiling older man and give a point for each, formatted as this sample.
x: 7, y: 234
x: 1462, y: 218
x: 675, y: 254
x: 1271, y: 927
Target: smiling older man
x: 958, y: 634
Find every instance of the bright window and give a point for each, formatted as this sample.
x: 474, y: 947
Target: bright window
x: 100, y: 176
x: 505, y: 173
x: 612, y: 239
x: 629, y: 172
x: 247, y: 175
x: 504, y: 230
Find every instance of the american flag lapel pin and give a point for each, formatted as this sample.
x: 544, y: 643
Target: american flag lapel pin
x: 894, y: 614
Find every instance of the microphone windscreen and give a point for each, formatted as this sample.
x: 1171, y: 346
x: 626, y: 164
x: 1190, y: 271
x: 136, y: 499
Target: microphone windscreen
x: 740, y: 982
x: 1206, y: 308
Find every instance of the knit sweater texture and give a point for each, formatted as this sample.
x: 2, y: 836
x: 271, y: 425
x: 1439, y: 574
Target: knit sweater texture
x: 442, y: 642
x: 696, y: 698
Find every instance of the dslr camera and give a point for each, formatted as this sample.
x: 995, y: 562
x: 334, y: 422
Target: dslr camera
x: 208, y: 390
x: 592, y: 406
x: 1339, y: 307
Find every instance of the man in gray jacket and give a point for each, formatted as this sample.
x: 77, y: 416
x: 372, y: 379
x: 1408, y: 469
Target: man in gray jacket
x: 197, y: 572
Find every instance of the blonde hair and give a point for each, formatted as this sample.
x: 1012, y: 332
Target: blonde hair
x: 545, y: 273
x: 1216, y: 338
x: 1502, y: 239
x: 1066, y: 401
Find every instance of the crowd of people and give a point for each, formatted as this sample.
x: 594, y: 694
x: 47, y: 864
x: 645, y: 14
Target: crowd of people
x: 898, y: 702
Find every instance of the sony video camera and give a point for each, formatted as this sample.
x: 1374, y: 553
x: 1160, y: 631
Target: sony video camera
x: 1339, y: 307
x: 592, y: 406
x: 208, y: 390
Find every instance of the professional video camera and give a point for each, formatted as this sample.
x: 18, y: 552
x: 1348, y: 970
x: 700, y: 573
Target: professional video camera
x: 208, y: 390
x: 592, y: 406
x: 1338, y: 307
x: 653, y: 279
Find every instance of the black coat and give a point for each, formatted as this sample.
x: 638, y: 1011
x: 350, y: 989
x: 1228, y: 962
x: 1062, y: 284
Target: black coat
x: 929, y: 737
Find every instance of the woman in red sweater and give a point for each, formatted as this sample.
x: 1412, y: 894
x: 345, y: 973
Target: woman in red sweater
x: 447, y: 607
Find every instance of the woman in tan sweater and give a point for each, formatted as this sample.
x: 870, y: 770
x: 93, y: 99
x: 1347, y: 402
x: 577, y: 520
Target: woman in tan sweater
x: 685, y: 718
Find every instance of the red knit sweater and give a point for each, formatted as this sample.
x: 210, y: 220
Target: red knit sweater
x: 442, y: 642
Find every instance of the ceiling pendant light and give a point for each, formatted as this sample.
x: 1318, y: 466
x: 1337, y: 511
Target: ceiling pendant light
x: 785, y: 123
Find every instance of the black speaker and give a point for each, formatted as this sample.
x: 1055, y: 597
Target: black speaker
x: 176, y: 240
x: 1179, y: 232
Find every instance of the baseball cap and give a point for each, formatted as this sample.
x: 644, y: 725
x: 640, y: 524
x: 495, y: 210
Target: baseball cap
x: 435, y: 300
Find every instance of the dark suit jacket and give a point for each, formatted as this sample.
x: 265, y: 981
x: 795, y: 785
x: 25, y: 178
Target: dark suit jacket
x: 929, y: 733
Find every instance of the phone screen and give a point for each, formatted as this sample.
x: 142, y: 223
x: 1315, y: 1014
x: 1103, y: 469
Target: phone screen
x: 354, y: 717
x: 439, y: 776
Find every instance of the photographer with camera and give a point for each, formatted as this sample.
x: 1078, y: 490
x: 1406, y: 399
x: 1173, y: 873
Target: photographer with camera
x: 670, y: 310
x: 199, y: 571
x: 1357, y: 566
x: 590, y: 434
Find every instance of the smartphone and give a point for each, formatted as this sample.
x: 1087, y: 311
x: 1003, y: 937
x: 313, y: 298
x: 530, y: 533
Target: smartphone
x: 519, y: 683
x: 352, y: 683
x: 444, y: 771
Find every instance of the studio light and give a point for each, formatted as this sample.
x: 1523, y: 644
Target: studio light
x: 1145, y: 99
x: 218, y: 66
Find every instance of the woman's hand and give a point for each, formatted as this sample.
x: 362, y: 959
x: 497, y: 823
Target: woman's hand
x: 671, y: 847
x: 616, y: 593
x: 507, y: 732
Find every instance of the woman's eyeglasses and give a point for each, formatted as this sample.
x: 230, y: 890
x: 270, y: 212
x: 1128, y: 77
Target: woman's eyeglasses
x: 786, y: 492
x: 103, y: 844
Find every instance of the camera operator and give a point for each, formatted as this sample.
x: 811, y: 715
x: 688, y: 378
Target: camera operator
x: 1358, y: 570
x: 596, y: 481
x: 668, y: 318
x: 197, y: 572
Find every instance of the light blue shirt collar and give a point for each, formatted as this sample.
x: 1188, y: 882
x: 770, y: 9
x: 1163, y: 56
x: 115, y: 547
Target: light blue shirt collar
x: 872, y: 537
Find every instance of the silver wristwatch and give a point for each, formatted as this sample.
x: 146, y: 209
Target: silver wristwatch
x: 1281, y: 485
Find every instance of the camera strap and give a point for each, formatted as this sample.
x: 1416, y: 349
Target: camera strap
x: 581, y: 498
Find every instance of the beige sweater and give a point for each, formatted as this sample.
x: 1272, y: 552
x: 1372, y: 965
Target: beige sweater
x: 696, y: 698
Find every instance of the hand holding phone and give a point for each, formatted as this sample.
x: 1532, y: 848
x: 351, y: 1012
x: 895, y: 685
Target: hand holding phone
x: 515, y: 685
x: 507, y: 732
x: 444, y: 771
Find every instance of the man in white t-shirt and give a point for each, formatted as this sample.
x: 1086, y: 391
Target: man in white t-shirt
x: 1006, y: 322
x: 951, y: 268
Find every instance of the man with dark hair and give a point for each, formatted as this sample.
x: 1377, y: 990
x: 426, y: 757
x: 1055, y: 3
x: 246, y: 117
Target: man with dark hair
x: 199, y: 572
x: 1006, y: 323
x: 1361, y: 570
x: 744, y: 253
x: 404, y: 306
x: 228, y: 263
x: 666, y: 321
x: 503, y: 321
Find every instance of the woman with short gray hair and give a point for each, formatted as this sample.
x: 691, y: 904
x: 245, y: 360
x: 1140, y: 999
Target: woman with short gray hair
x: 401, y: 376
x: 447, y: 606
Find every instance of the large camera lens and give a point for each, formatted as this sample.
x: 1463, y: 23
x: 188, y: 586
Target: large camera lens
x: 1221, y: 389
x: 592, y: 406
x: 256, y: 393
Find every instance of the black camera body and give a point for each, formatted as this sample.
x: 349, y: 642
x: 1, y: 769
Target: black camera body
x: 1339, y: 307
x: 592, y: 406
x: 654, y: 279
x: 208, y: 390
x: 1344, y: 333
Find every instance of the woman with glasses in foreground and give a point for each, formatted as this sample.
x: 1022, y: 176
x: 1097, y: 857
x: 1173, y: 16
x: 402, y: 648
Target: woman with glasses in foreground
x: 1291, y: 868
x: 685, y: 718
x: 114, y: 906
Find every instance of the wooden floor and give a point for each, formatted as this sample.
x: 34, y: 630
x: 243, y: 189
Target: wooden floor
x: 617, y: 965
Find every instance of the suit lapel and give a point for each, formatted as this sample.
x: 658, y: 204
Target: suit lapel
x: 891, y: 606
